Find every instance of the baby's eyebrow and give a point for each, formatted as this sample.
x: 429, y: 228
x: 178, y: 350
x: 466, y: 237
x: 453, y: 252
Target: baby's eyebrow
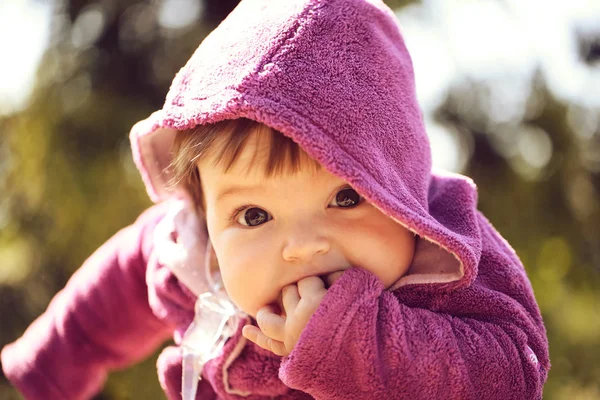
x: 231, y: 190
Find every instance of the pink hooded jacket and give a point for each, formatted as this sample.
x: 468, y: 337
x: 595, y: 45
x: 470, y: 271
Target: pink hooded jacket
x: 335, y: 76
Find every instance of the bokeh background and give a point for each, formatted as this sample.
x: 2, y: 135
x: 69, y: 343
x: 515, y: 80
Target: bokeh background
x: 510, y: 91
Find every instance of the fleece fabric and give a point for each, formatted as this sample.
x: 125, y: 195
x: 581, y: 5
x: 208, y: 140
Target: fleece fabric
x: 336, y: 77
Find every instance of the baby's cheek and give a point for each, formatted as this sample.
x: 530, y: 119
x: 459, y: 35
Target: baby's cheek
x: 232, y: 282
x: 243, y: 288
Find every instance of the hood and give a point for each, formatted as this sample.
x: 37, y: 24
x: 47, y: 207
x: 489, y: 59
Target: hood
x: 336, y: 77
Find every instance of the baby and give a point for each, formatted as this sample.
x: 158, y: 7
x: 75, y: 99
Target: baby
x: 291, y: 149
x: 278, y: 222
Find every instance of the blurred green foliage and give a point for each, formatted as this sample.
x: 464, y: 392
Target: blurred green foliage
x: 68, y: 183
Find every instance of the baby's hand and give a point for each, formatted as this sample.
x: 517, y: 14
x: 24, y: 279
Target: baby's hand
x: 300, y: 301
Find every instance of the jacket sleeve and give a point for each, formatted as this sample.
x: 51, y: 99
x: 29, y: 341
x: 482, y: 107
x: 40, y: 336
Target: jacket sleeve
x: 100, y: 321
x: 363, y: 342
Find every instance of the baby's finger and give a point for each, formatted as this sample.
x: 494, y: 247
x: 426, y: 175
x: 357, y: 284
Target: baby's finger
x: 311, y: 286
x: 331, y: 278
x: 270, y: 323
x: 255, y: 335
x: 290, y: 298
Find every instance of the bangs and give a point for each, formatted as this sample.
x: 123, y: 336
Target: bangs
x: 285, y: 156
x: 225, y: 141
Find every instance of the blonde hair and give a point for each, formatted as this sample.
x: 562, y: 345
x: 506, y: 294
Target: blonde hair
x: 226, y: 140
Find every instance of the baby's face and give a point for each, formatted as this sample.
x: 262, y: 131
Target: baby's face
x: 270, y: 232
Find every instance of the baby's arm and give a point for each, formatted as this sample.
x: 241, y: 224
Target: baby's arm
x: 362, y: 342
x: 100, y: 321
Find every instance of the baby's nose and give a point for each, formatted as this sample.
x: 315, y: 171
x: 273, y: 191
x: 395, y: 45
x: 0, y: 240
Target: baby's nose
x: 303, y: 244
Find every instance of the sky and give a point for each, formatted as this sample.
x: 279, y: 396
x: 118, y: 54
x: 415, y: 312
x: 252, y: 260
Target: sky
x: 503, y: 44
x: 24, y: 31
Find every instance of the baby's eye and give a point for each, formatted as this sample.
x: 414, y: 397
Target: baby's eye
x: 346, y: 198
x: 253, y: 216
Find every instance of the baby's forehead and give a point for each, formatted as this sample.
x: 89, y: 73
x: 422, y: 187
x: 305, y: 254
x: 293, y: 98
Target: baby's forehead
x: 251, y: 182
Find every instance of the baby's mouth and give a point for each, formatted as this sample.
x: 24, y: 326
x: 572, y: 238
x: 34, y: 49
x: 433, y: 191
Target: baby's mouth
x: 328, y: 279
x: 279, y: 307
x: 324, y: 279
